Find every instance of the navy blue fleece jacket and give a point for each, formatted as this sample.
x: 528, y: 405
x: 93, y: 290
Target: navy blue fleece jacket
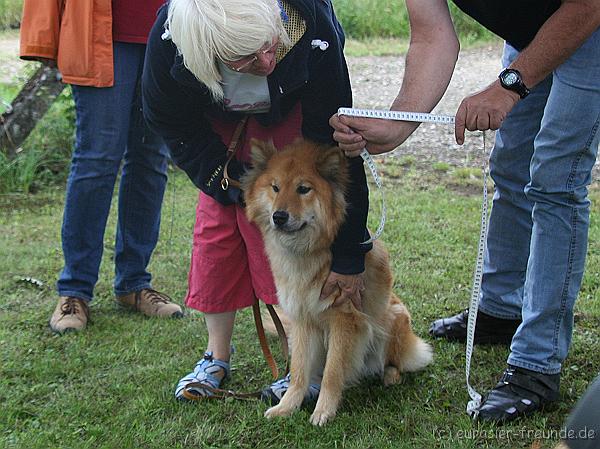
x: 176, y: 106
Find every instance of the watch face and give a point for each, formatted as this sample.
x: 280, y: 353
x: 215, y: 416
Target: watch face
x: 510, y: 78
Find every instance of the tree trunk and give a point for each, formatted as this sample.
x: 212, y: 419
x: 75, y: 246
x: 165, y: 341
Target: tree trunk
x: 28, y: 108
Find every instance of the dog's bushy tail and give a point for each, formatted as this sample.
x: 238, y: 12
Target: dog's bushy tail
x: 417, y: 356
x: 407, y: 351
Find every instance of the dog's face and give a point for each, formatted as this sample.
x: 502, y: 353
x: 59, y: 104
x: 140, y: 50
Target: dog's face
x: 297, y: 195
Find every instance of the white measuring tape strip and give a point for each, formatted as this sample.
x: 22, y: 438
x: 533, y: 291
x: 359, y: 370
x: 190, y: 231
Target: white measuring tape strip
x: 371, y: 164
x: 389, y: 115
x: 475, y: 402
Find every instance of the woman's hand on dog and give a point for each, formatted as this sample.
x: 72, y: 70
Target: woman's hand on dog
x: 350, y: 287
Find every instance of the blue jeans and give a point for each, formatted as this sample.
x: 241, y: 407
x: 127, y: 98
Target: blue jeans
x: 537, y: 241
x: 110, y: 130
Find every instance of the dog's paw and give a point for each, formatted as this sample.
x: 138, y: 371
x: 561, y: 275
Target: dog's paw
x: 278, y: 410
x: 321, y: 417
x: 391, y: 375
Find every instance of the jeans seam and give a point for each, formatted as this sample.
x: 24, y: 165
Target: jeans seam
x: 126, y: 217
x: 571, y: 178
x: 565, y: 292
x: 588, y: 144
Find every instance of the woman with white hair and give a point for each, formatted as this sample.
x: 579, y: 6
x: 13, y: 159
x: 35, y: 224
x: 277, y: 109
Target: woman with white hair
x: 218, y: 73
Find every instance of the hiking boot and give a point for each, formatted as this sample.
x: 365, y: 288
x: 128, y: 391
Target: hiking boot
x: 150, y: 303
x: 70, y: 314
x: 488, y: 329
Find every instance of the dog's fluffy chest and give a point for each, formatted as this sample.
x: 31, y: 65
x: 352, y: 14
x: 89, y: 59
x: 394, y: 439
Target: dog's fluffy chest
x: 300, y: 304
x: 299, y: 281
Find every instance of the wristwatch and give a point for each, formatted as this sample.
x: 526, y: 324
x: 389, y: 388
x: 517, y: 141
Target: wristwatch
x: 511, y: 79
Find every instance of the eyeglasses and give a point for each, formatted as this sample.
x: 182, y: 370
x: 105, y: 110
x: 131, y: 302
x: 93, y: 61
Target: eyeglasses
x: 247, y: 61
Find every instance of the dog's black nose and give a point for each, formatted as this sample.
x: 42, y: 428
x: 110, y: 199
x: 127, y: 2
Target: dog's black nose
x: 280, y: 217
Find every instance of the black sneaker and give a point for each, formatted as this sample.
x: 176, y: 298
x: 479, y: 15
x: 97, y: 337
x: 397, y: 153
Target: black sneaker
x: 488, y: 330
x: 519, y: 392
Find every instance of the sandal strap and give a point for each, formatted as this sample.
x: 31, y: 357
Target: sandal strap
x: 208, y: 363
x: 203, y: 378
x: 540, y: 385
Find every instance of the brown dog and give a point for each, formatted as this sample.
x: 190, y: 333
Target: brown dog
x: 296, y: 197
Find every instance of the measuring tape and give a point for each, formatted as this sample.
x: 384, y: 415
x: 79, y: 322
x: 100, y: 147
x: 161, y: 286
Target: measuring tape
x: 402, y: 116
x: 389, y: 115
x: 475, y: 403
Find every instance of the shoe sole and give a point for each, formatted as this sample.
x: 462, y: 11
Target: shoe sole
x: 132, y: 309
x: 68, y: 330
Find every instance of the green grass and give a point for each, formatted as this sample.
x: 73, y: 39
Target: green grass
x: 111, y: 386
x: 10, y: 13
x: 44, y: 157
x: 367, y: 19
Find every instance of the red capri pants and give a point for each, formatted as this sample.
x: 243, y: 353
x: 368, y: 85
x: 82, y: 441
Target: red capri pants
x: 229, y: 266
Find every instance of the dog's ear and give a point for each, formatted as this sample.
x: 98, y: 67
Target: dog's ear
x: 261, y: 152
x: 331, y: 165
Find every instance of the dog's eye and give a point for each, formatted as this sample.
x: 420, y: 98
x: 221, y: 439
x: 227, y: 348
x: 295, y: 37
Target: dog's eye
x: 275, y: 188
x: 303, y: 190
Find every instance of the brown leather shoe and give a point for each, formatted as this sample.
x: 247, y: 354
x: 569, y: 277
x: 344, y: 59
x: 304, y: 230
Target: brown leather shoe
x: 151, y: 303
x: 70, y: 314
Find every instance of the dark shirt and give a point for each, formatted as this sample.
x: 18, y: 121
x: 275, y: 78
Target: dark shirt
x: 516, y: 21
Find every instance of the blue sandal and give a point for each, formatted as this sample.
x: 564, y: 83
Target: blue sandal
x: 274, y: 392
x: 204, y: 373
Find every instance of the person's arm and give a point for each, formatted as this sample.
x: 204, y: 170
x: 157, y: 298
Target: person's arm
x: 176, y: 112
x: 430, y: 61
x: 562, y: 34
x: 39, y: 31
x: 329, y: 89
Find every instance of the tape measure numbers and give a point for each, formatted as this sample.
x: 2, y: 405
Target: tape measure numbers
x: 475, y: 402
x: 402, y: 116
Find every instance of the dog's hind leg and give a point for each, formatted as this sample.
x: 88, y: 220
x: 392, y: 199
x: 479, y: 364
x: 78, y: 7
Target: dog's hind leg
x: 303, y: 341
x: 347, y: 341
x: 406, y: 352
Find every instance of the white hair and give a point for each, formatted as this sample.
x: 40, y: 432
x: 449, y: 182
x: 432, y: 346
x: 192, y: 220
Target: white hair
x: 206, y: 31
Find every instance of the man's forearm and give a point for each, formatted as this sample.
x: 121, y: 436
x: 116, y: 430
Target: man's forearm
x: 561, y: 35
x: 430, y: 59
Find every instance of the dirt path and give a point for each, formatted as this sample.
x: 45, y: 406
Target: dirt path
x: 10, y: 63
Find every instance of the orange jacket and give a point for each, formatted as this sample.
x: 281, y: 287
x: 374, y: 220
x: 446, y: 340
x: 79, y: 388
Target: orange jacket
x: 77, y: 34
